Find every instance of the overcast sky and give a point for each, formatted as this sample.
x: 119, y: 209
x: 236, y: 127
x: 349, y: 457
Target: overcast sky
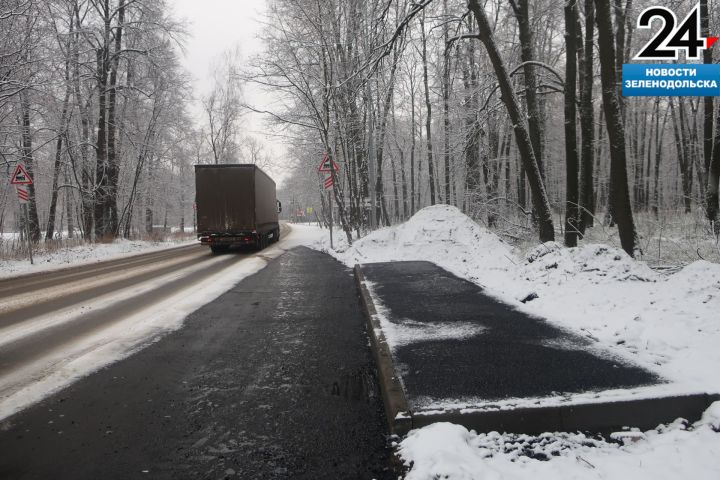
x: 219, y: 25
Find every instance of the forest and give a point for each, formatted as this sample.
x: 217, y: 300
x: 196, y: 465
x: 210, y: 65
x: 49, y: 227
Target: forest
x: 510, y: 110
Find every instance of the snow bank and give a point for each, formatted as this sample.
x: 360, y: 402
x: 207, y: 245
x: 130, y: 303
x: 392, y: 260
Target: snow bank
x: 449, y: 451
x: 83, y: 255
x: 665, y: 323
x: 551, y: 263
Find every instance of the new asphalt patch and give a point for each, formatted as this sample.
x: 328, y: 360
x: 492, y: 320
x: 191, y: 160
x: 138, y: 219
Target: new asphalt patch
x: 493, y: 353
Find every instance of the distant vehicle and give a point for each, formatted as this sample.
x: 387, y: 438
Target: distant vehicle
x: 236, y: 205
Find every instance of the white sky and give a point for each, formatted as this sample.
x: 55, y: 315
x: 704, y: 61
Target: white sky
x: 219, y: 25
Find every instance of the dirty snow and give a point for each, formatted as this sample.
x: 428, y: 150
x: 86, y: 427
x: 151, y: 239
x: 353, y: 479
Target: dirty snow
x: 678, y: 450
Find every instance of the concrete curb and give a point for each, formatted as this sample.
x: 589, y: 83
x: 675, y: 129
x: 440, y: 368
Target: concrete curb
x: 603, y: 418
x: 396, y: 406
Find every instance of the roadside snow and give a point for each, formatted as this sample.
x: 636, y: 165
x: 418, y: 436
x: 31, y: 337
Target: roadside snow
x: 667, y: 324
x: 83, y: 255
x: 445, y: 236
x: 445, y: 450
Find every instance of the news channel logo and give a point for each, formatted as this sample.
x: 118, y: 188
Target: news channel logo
x: 681, y: 42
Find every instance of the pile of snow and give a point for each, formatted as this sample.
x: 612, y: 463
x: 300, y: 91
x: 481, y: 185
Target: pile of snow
x: 595, y: 264
x: 443, y: 235
x: 445, y: 450
x: 666, y: 323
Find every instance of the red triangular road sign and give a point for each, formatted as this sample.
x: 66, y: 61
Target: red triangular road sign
x: 20, y: 177
x: 328, y: 165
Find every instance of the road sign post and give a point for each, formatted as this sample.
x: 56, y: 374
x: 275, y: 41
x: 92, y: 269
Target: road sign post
x: 330, y: 202
x: 328, y: 165
x: 21, y: 179
x: 27, y: 233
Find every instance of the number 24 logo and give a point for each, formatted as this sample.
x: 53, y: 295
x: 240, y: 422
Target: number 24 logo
x: 669, y: 41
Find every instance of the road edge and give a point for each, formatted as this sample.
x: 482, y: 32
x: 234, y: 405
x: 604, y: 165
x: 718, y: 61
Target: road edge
x: 397, y: 410
x: 73, y: 267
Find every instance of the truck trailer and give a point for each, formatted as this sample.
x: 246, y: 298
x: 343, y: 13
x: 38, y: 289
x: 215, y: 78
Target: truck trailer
x: 236, y: 205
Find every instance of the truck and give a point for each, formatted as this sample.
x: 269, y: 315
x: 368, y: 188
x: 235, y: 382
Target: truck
x: 236, y: 205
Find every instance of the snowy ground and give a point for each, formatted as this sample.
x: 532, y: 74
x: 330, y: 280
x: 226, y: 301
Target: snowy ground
x: 91, y: 352
x: 84, y: 254
x: 448, y: 451
x: 667, y: 324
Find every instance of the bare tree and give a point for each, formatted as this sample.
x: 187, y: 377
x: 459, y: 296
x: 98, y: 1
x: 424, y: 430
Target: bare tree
x: 522, y: 137
x: 620, y: 207
x: 223, y: 108
x: 572, y: 197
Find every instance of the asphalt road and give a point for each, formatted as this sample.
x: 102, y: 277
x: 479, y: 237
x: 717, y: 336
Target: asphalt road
x: 273, y: 379
x: 512, y: 355
x: 44, y: 315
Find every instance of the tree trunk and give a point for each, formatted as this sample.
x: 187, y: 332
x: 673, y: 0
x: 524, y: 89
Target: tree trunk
x: 713, y: 176
x: 641, y: 142
x: 645, y: 186
x: 472, y: 127
x: 658, y: 159
x: 587, y: 115
x: 412, y: 147
x: 50, y: 230
x: 403, y: 179
x: 396, y: 193
x: 69, y: 206
x: 428, y: 113
x: 113, y: 171
x: 524, y: 144
x: 683, y: 153
x: 102, y: 169
x: 620, y: 207
x: 535, y: 117
x: 446, y: 106
x: 600, y: 188
x: 404, y: 185
x: 387, y: 107
x: 28, y: 160
x: 62, y: 131
x: 619, y: 40
x: 707, y: 101
x: 85, y: 182
x: 572, y: 212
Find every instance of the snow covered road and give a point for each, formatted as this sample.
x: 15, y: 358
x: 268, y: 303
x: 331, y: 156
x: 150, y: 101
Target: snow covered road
x: 58, y: 326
